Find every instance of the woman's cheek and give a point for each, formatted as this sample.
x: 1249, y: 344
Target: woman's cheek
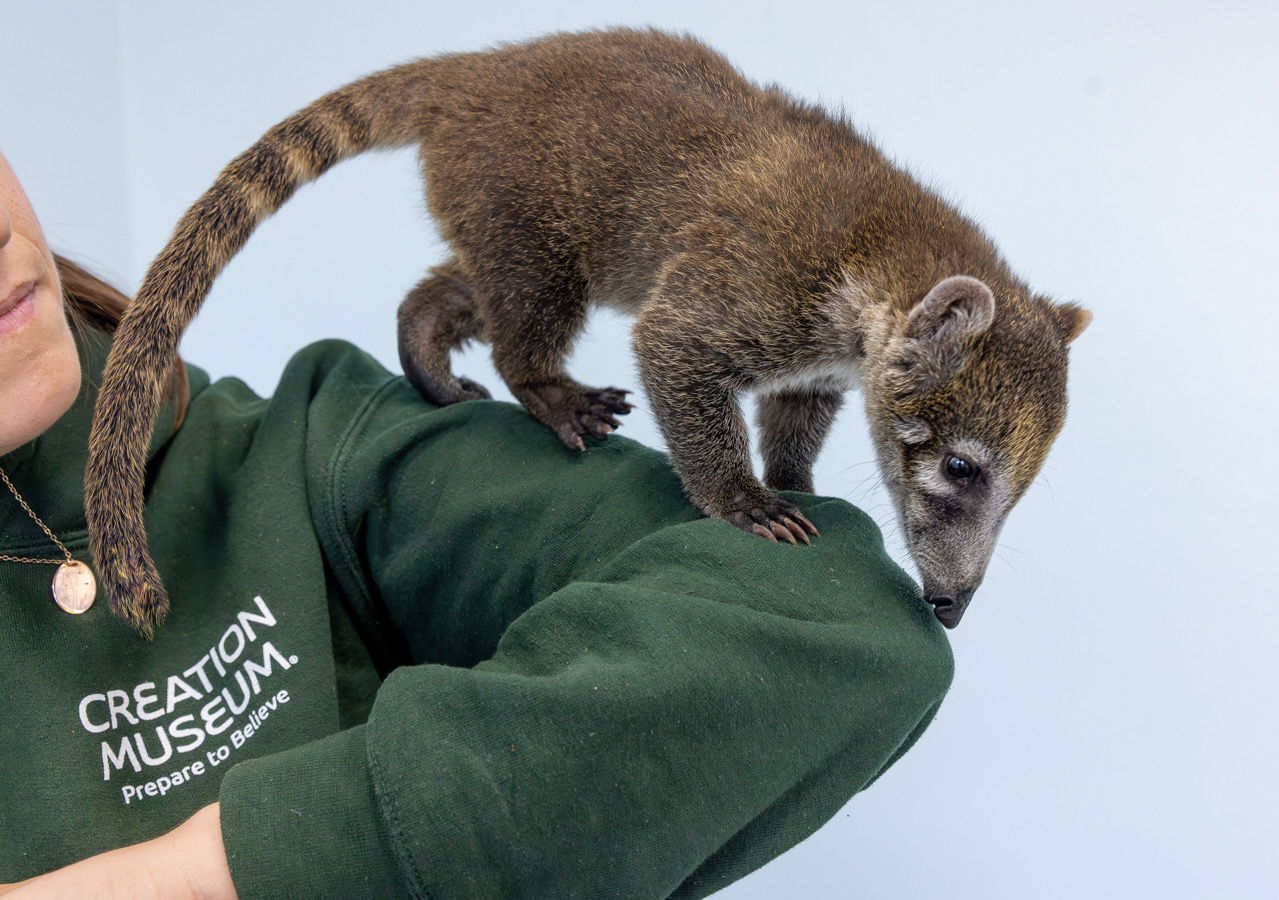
x: 39, y: 374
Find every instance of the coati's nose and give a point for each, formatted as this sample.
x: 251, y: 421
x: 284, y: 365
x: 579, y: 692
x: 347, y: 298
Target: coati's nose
x: 949, y: 610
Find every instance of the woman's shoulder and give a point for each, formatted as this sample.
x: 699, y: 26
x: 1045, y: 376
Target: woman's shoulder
x: 334, y: 374
x: 312, y: 368
x: 329, y: 391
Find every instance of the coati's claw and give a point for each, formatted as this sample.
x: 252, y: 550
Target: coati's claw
x: 574, y: 412
x: 783, y: 532
x: 608, y: 400
x: 774, y: 519
x: 571, y: 438
x: 807, y: 524
x: 794, y: 528
x: 596, y: 424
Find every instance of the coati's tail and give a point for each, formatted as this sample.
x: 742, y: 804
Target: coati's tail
x: 383, y: 110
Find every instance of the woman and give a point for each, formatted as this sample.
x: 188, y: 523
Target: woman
x: 414, y: 650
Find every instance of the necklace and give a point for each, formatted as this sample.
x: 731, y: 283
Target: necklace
x: 74, y: 586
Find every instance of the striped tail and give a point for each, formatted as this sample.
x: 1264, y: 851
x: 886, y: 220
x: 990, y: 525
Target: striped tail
x: 382, y: 110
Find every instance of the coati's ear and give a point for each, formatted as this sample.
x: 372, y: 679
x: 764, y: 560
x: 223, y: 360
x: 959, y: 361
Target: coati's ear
x: 957, y: 308
x: 1072, y: 319
x: 934, y: 339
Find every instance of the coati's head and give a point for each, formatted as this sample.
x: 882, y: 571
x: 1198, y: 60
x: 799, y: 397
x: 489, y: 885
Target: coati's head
x: 965, y: 393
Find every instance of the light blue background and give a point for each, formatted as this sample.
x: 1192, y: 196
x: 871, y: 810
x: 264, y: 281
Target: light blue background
x: 1110, y: 732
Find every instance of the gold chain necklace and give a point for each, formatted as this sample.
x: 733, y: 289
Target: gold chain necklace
x: 74, y: 586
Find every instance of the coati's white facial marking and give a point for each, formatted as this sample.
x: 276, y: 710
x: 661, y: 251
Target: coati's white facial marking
x: 929, y: 473
x: 951, y: 524
x: 910, y: 430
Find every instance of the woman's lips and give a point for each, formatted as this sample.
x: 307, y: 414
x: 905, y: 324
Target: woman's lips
x: 17, y: 308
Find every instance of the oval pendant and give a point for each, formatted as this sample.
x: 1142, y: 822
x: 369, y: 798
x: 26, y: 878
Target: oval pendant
x: 74, y: 587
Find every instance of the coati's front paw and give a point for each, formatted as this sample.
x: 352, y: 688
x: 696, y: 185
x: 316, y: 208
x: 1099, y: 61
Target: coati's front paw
x: 769, y: 516
x: 602, y: 407
x: 574, y: 412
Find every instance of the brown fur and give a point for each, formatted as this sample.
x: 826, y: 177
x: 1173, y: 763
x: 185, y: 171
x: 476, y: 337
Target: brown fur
x: 754, y: 237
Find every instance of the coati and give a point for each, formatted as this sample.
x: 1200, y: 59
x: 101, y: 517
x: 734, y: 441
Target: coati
x: 761, y: 243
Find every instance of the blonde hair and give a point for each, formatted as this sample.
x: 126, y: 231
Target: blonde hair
x: 91, y: 303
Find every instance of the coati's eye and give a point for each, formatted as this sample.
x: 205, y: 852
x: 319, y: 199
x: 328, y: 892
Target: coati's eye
x: 959, y: 468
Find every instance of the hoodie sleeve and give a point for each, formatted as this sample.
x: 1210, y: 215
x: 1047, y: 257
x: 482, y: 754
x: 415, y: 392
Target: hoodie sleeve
x: 598, y: 693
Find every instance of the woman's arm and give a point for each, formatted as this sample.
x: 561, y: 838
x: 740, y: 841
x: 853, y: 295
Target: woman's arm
x: 188, y: 863
x: 599, y: 692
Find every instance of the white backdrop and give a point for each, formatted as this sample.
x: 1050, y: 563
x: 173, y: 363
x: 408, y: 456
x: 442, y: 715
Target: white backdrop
x: 1111, y: 725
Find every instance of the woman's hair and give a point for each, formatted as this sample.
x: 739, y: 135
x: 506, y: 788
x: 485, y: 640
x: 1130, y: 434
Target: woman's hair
x: 92, y: 303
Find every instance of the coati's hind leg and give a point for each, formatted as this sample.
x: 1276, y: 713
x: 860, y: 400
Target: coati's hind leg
x: 792, y: 426
x: 436, y: 317
x: 532, y: 323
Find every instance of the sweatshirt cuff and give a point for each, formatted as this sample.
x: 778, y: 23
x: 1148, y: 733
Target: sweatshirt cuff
x: 305, y: 823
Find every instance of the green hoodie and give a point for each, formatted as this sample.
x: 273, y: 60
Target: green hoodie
x: 421, y: 651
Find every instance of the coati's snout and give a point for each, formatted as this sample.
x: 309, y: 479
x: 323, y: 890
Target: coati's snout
x: 951, y: 531
x: 965, y: 396
x: 949, y: 610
